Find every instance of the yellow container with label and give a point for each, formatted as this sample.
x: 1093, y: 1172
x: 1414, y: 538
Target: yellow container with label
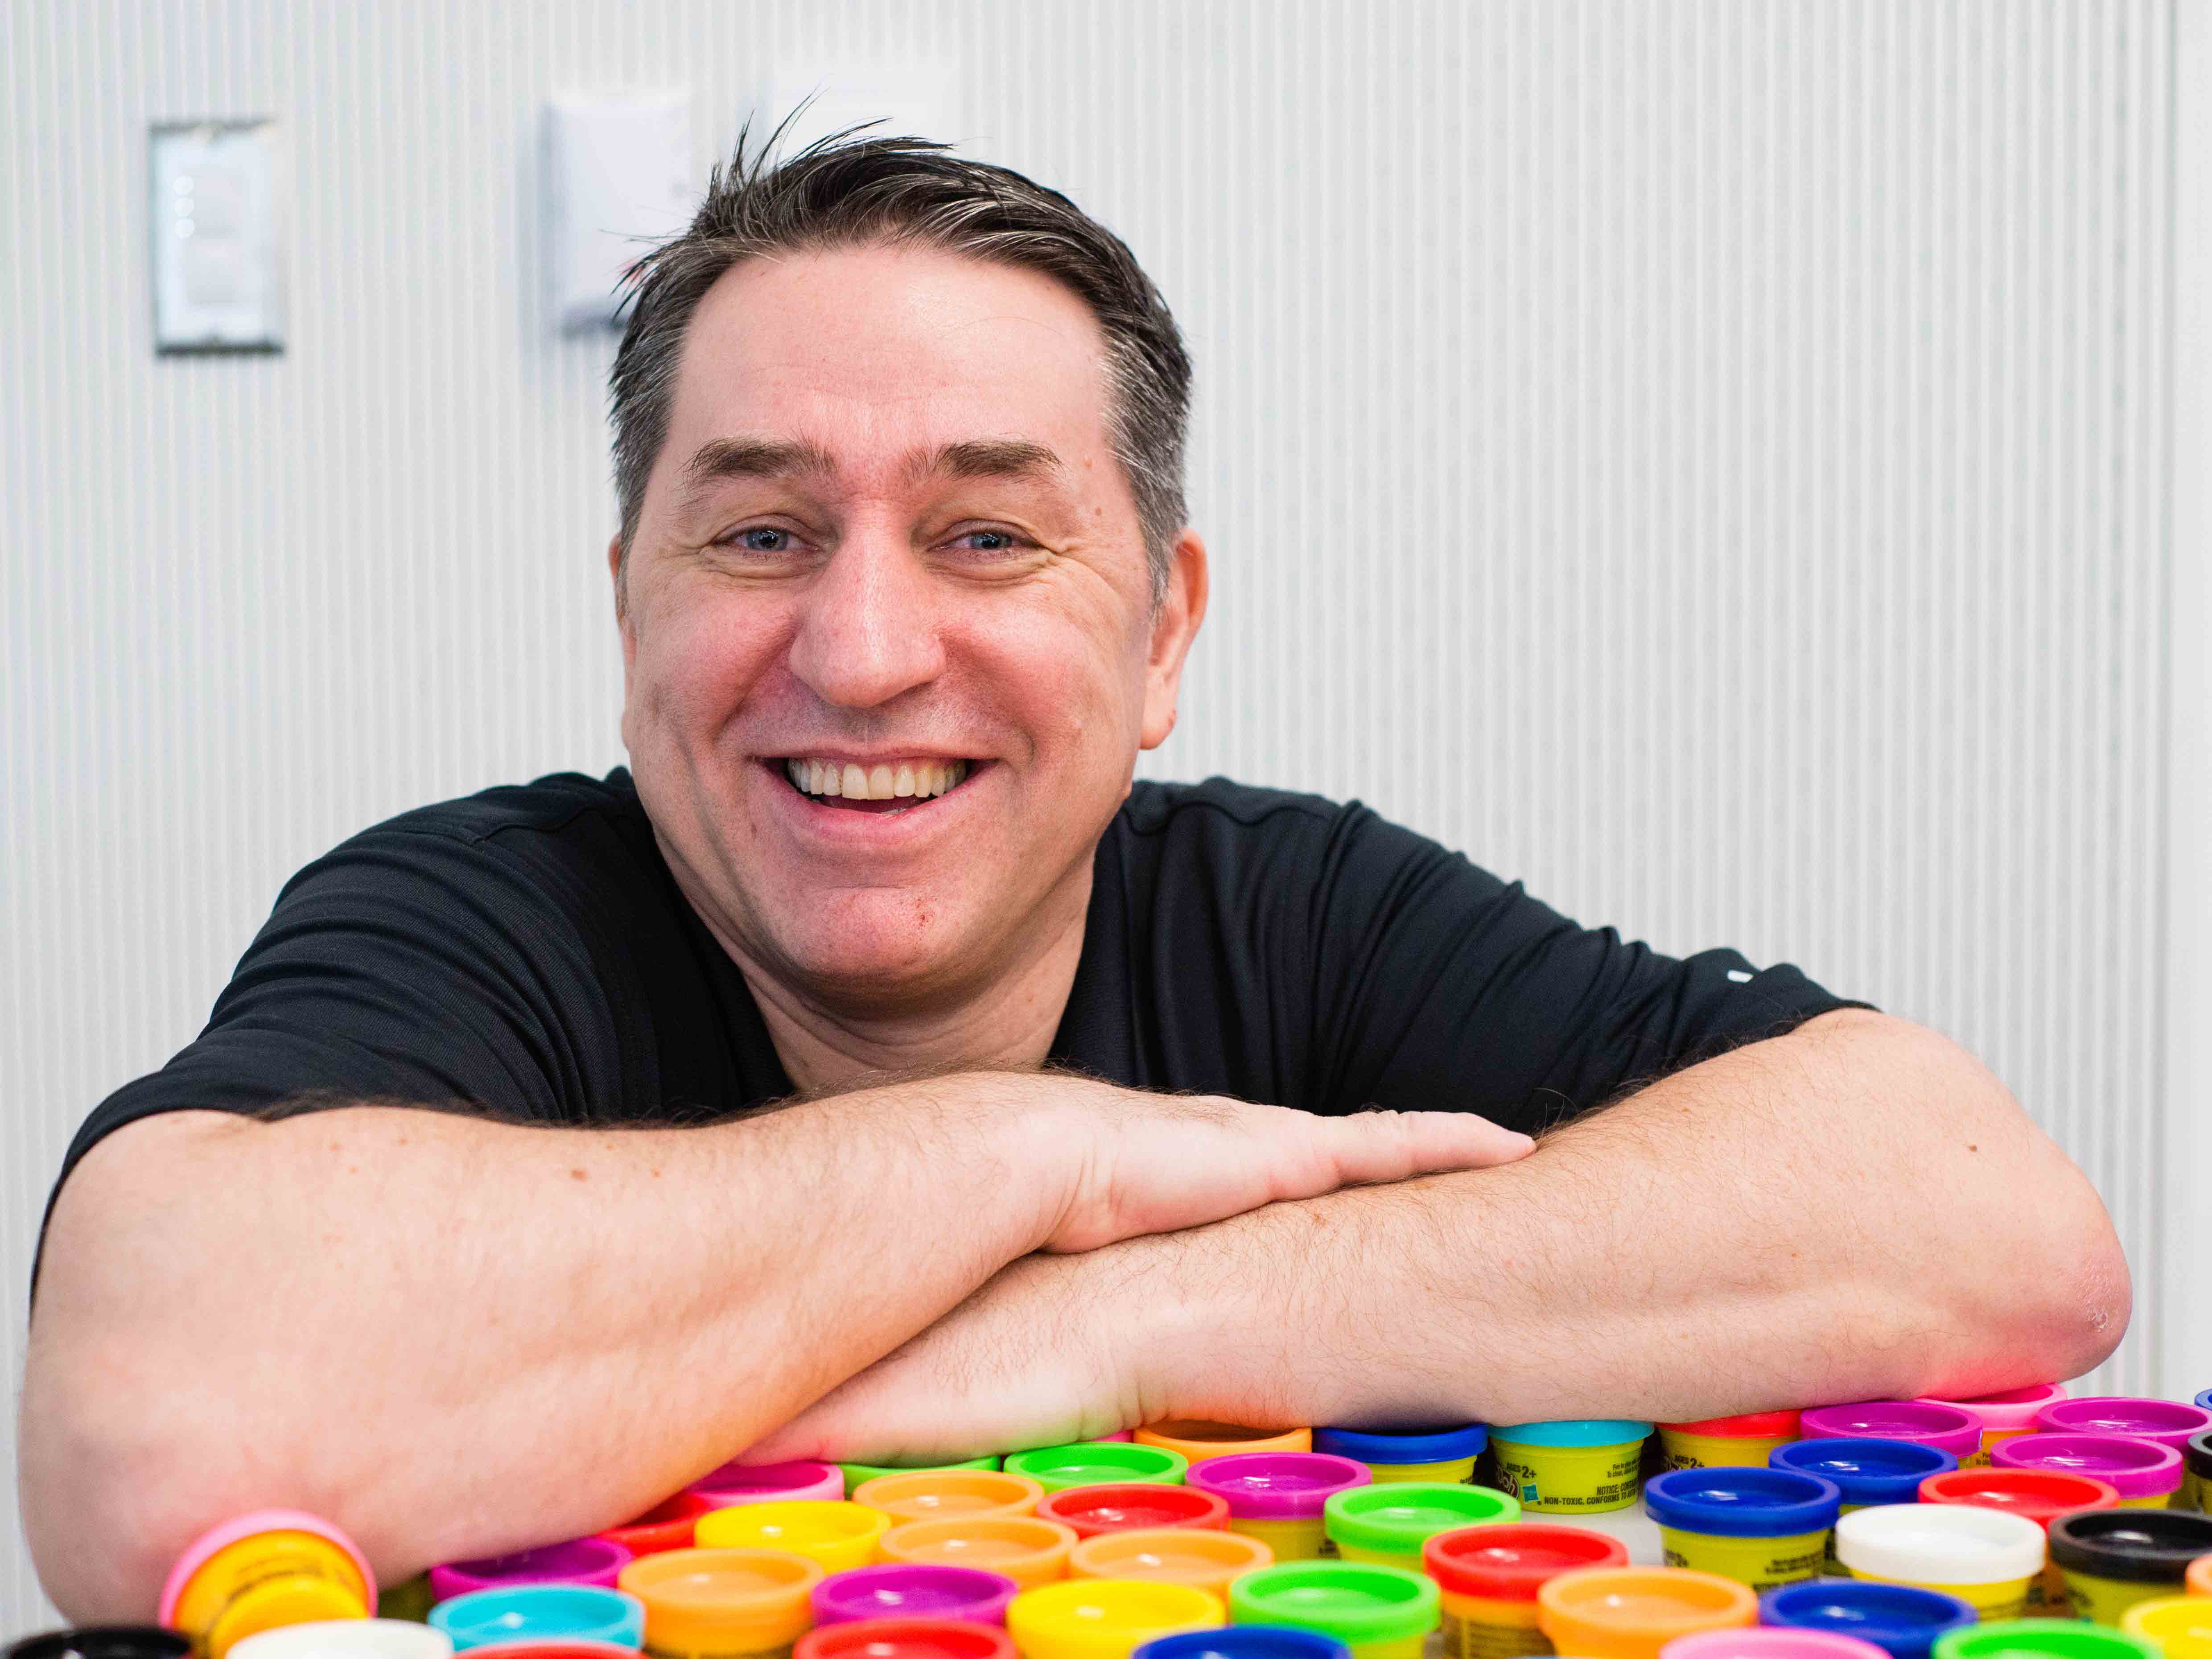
x: 1278, y: 1497
x: 2115, y: 1559
x: 1578, y: 1467
x: 1716, y: 1442
x: 1764, y: 1527
x: 1392, y: 1456
x: 261, y: 1570
x: 723, y: 1604
x: 1489, y: 1576
x: 1986, y: 1558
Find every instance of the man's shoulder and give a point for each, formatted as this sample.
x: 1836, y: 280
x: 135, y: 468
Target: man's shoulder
x: 1222, y: 804
x: 555, y: 806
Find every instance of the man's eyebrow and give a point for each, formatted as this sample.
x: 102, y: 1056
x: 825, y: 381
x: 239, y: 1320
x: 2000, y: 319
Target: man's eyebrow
x: 751, y: 458
x: 988, y: 458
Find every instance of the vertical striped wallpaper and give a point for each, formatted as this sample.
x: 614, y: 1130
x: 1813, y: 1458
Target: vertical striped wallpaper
x: 1703, y: 459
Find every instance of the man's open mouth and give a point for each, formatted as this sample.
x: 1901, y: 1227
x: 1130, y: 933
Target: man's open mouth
x: 884, y: 787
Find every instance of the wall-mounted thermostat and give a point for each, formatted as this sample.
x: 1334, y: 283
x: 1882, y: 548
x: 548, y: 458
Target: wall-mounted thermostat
x: 217, y: 190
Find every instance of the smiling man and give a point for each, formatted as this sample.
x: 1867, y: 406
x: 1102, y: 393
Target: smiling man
x: 1069, y: 1074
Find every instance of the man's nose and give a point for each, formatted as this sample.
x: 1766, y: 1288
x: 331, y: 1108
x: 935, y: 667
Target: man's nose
x: 869, y: 629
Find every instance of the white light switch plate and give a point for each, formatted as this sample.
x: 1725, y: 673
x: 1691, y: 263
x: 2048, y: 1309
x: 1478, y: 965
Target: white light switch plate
x: 216, y: 192
x: 618, y: 178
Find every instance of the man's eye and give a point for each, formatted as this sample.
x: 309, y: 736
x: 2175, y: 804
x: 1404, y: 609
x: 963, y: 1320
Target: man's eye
x: 986, y: 541
x: 762, y: 539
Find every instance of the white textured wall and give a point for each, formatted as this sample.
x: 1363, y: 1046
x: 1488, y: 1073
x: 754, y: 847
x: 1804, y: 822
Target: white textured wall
x: 1704, y: 459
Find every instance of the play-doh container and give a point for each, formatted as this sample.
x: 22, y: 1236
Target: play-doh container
x: 261, y: 1569
x: 2042, y: 1496
x: 1379, y: 1613
x: 1386, y: 1525
x: 1866, y: 1471
x: 1986, y: 1558
x: 771, y: 1483
x: 906, y: 1638
x: 1278, y: 1497
x: 2180, y: 1627
x: 2203, y: 1400
x: 1090, y: 1511
x: 2197, y: 1581
x: 1764, y: 1527
x: 348, y: 1638
x: 666, y: 1526
x: 578, y: 1561
x: 906, y: 1589
x: 588, y: 1613
x: 839, y: 1535
x: 2114, y: 1558
x: 1952, y: 1428
x: 1246, y: 1642
x: 2144, y: 1473
x: 2002, y: 1414
x: 723, y: 1604
x: 1488, y: 1578
x: 859, y: 1474
x: 1198, y: 1440
x: 1104, y: 1618
x: 2168, y: 1422
x: 1576, y: 1467
x: 1740, y: 1442
x: 102, y: 1642
x: 1099, y: 1464
x: 2042, y: 1638
x: 2196, y: 1472
x: 1755, y: 1642
x: 1028, y: 1550
x: 1446, y: 1453
x: 1170, y: 1555
x: 554, y: 1647
x: 1902, y: 1619
x: 1631, y: 1613
x: 938, y: 1494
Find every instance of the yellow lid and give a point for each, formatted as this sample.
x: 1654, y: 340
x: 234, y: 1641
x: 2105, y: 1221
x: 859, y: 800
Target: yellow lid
x: 2182, y: 1625
x: 940, y: 1494
x: 839, y: 1535
x: 289, y: 1599
x: 281, y: 1575
x: 1105, y: 1618
x: 714, y: 1601
x: 1027, y: 1548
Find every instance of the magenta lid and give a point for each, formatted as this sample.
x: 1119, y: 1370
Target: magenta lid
x: 765, y: 1483
x: 1770, y: 1642
x: 1276, y: 1486
x: 2133, y: 1468
x: 2166, y: 1421
x: 1952, y: 1428
x: 579, y: 1561
x: 2007, y: 1408
x: 899, y: 1589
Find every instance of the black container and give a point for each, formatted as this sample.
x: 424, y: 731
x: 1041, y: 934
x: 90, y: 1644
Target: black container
x: 105, y: 1641
x: 2140, y: 1547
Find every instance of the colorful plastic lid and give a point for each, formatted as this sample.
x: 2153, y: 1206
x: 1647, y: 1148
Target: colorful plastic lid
x: 532, y: 1611
x: 1134, y: 1507
x: 1278, y: 1485
x: 1353, y: 1602
x: 1438, y: 1445
x: 2180, y: 1627
x: 2198, y: 1578
x: 1904, y: 1620
x: 913, y: 1590
x: 771, y: 1483
x: 1197, y: 1438
x: 1098, y: 1464
x: 1511, y: 1561
x: 2166, y: 1421
x: 1104, y: 1618
x: 255, y: 1523
x: 578, y: 1561
x: 859, y: 1474
x: 1604, y: 1606
x: 1751, y: 1642
x: 1939, y: 1544
x: 2043, y: 1638
x: 1246, y: 1642
x: 1952, y: 1428
x: 804, y: 1527
x: 2143, y: 1547
x: 933, y: 1494
x: 2007, y: 1408
x: 723, y: 1600
x: 1022, y: 1546
x: 1743, y: 1502
x: 1573, y: 1432
x: 1748, y: 1425
x: 1399, y: 1517
x: 346, y: 1638
x: 1866, y: 1469
x: 666, y: 1526
x: 2203, y: 1400
x: 2133, y: 1468
x: 554, y: 1647
x: 2039, y: 1494
x: 104, y: 1642
x: 1170, y: 1555
x: 905, y: 1639
x: 2197, y: 1455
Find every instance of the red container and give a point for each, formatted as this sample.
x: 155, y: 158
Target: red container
x: 666, y: 1526
x: 2040, y: 1495
x: 1129, y: 1506
x: 905, y: 1639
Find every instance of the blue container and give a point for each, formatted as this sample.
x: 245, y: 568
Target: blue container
x: 1866, y: 1470
x: 2205, y: 1399
x: 589, y: 1613
x: 1743, y: 1502
x: 1902, y: 1618
x: 1246, y: 1642
x: 1414, y: 1446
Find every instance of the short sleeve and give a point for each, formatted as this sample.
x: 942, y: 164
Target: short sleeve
x: 1438, y: 985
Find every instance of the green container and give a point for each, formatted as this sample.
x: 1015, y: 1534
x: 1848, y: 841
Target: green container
x: 2042, y: 1639
x: 1386, y: 1525
x: 1099, y: 1464
x: 857, y: 1473
x: 1381, y: 1612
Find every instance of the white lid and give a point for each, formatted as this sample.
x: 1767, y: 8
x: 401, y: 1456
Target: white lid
x: 346, y: 1638
x: 1937, y: 1544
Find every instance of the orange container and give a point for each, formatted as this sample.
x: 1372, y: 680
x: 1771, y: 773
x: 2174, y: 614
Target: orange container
x: 943, y: 1494
x: 2198, y: 1581
x: 1170, y: 1555
x: 1631, y: 1613
x: 1028, y: 1551
x: 1197, y: 1439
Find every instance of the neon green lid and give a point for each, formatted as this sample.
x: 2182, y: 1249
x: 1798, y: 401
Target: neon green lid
x: 1354, y: 1603
x: 1098, y: 1464
x: 2042, y: 1639
x: 1400, y: 1517
x: 856, y: 1474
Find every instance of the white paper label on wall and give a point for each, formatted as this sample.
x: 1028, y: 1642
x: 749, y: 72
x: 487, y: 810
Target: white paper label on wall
x: 913, y: 98
x: 618, y: 180
x: 216, y: 191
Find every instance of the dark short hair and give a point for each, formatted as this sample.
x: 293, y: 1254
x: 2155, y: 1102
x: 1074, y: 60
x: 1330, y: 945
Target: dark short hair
x: 850, y: 191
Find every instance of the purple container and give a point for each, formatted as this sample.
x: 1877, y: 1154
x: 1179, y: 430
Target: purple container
x: 899, y: 1589
x: 771, y: 1483
x: 1276, y: 1486
x: 1952, y: 1428
x: 579, y: 1561
x: 2166, y: 1421
x: 2132, y: 1467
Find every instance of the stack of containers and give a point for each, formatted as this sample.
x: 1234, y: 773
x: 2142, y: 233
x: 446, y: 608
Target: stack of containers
x: 2003, y: 1415
x: 1865, y: 1470
x: 2041, y: 1495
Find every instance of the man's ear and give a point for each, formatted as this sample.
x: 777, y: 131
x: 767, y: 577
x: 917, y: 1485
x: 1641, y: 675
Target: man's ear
x: 1175, y: 625
x: 624, y: 626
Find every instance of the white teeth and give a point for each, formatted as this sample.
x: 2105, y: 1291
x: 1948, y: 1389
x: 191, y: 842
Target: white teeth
x: 902, y: 785
x: 917, y: 780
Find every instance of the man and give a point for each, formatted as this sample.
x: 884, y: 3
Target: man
x: 904, y: 586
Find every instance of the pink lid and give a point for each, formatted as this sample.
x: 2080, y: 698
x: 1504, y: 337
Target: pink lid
x: 2166, y: 1421
x: 1276, y: 1486
x: 578, y: 1561
x: 772, y: 1483
x: 2010, y: 1408
x: 1770, y: 1642
x: 1952, y: 1428
x: 2131, y: 1468
x: 202, y: 1548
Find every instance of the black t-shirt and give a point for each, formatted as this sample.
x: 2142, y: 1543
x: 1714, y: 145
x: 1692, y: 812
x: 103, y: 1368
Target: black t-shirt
x: 526, y: 952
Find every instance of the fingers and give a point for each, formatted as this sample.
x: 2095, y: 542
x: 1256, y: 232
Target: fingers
x: 1382, y: 1146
